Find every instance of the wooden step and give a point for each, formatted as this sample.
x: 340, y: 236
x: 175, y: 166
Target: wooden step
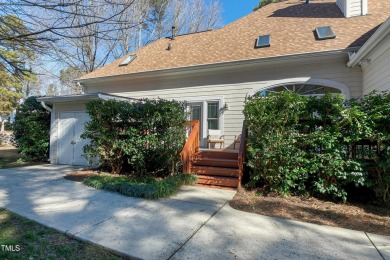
x: 226, y: 163
x: 215, y: 171
x: 216, y: 154
x: 218, y: 181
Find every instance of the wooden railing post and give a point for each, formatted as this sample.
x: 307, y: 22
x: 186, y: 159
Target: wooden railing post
x: 191, y: 147
x: 242, y: 154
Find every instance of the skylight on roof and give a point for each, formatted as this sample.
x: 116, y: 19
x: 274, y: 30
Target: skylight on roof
x: 128, y: 60
x: 324, y: 33
x: 263, y: 41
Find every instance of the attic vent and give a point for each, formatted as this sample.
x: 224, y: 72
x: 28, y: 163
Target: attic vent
x: 128, y: 60
x: 324, y: 33
x: 263, y: 41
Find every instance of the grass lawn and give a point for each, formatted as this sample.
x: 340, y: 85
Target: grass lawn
x: 9, y: 157
x: 35, y: 241
x: 147, y: 187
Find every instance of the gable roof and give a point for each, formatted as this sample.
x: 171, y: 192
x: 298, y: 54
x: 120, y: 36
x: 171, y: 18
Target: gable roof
x: 376, y: 39
x: 290, y: 23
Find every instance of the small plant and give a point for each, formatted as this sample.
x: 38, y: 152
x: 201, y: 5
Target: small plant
x: 148, y: 188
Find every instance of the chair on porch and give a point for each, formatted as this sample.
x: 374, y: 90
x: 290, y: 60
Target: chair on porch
x: 237, y: 140
x: 215, y: 137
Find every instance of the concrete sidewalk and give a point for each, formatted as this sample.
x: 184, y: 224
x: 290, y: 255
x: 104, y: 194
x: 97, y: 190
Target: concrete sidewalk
x: 196, y: 224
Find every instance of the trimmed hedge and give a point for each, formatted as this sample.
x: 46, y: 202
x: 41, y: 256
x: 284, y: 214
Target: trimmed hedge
x: 300, y: 144
x: 143, y: 137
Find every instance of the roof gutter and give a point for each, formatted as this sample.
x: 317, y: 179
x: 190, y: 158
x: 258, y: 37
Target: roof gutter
x: 43, y: 104
x: 382, y: 32
x: 219, y: 65
x: 79, y: 98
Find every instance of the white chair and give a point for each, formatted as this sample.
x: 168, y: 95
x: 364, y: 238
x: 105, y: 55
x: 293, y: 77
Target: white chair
x: 237, y: 140
x: 215, y: 137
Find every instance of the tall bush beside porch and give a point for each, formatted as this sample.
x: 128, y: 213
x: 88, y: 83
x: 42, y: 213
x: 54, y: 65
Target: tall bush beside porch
x: 144, y: 136
x: 306, y: 144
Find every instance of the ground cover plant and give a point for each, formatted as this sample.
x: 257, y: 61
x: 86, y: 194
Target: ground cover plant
x: 321, y: 146
x: 141, y: 187
x: 30, y: 240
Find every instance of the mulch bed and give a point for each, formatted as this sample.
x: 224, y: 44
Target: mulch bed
x: 362, y: 217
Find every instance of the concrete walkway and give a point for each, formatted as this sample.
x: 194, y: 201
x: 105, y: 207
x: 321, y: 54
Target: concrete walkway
x: 196, y: 224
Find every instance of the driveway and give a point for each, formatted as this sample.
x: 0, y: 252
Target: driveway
x: 198, y: 223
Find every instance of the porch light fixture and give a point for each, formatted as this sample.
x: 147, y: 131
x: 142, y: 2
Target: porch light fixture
x: 225, y: 107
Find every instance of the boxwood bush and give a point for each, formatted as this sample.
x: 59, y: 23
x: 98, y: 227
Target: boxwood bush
x: 300, y: 144
x: 143, y: 137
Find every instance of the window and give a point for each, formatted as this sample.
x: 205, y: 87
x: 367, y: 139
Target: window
x: 263, y: 41
x: 302, y: 89
x: 324, y: 33
x: 128, y: 60
x: 212, y: 115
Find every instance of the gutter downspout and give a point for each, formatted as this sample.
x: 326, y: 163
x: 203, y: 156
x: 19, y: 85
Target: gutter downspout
x: 43, y: 104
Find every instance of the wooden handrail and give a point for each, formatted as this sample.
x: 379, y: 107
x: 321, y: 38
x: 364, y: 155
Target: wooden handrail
x: 191, y: 147
x: 242, y: 153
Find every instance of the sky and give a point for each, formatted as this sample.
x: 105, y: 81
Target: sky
x: 235, y: 9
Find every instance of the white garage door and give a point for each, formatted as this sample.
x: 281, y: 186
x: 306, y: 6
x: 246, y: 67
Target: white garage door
x: 70, y: 144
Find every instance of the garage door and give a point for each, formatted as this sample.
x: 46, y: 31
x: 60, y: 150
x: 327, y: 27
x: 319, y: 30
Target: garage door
x: 70, y: 144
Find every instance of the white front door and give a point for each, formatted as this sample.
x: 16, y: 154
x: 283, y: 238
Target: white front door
x: 70, y: 144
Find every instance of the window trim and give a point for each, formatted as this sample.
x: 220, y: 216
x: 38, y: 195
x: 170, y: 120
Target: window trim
x: 204, y: 100
x: 305, y: 80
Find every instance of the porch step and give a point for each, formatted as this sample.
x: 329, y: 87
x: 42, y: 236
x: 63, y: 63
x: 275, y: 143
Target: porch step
x: 216, y: 168
x: 215, y: 162
x: 216, y: 154
x: 215, y: 171
x: 218, y: 181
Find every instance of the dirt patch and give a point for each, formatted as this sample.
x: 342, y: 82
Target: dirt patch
x: 81, y: 175
x: 8, y: 151
x: 10, y: 157
x: 367, y: 218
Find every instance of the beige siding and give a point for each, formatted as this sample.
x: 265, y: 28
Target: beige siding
x: 231, y: 86
x: 376, y: 76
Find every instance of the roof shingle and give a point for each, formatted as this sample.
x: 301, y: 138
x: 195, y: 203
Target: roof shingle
x: 290, y: 23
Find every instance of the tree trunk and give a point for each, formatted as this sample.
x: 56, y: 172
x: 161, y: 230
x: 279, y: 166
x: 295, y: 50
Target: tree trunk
x: 2, y: 126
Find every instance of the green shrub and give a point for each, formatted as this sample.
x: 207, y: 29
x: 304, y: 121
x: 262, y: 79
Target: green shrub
x: 274, y: 159
x: 377, y: 107
x: 148, y: 188
x: 147, y: 136
x: 32, y: 129
x: 302, y: 144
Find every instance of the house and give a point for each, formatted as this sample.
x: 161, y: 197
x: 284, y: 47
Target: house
x: 341, y: 46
